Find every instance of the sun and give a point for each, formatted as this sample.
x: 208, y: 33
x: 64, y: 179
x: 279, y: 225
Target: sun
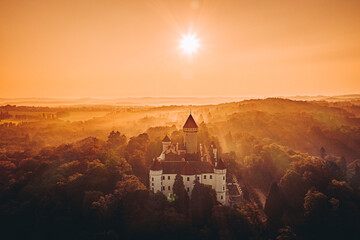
x: 189, y: 43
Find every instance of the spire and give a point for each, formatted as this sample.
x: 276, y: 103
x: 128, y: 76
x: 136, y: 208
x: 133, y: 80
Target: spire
x: 190, y: 122
x: 220, y: 165
x: 166, y: 139
x: 156, y: 166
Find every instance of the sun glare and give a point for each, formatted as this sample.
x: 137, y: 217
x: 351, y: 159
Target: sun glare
x: 189, y: 43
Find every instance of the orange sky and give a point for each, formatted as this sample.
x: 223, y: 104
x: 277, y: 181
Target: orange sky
x: 113, y: 48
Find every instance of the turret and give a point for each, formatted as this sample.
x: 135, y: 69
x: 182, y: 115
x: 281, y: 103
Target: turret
x: 220, y: 181
x: 166, y: 143
x: 156, y: 172
x: 188, y: 173
x: 190, y: 130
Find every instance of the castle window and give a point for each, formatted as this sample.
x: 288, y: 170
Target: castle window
x: 210, y: 176
x: 188, y: 179
x: 188, y: 189
x: 204, y: 176
x: 223, y: 177
x: 223, y: 188
x: 163, y: 177
x: 163, y: 187
x: 168, y: 177
x: 222, y: 197
x: 152, y: 179
x: 152, y: 184
x: 198, y: 178
x: 168, y: 187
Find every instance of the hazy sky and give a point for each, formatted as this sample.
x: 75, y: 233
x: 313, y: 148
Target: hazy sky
x: 111, y: 48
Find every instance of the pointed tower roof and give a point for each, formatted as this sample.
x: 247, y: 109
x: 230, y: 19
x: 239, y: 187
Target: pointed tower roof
x: 166, y: 139
x: 220, y: 165
x: 190, y: 122
x: 188, y: 169
x: 156, y: 166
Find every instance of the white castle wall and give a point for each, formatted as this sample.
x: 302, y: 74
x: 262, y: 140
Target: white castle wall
x: 189, y: 183
x: 155, y: 180
x: 208, y: 179
x: 165, y: 182
x: 220, y: 185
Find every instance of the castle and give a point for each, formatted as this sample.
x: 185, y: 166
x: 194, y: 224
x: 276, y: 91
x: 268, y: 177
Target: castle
x: 186, y: 160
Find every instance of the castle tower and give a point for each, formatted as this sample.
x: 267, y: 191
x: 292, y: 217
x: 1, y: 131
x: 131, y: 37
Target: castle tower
x: 156, y: 172
x: 190, y: 130
x: 166, y: 143
x: 220, y: 181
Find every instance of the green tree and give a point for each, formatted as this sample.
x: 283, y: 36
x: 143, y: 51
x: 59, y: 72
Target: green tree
x: 355, y: 180
x: 274, y: 206
x: 230, y: 223
x: 315, y: 205
x: 317, y: 214
x: 130, y: 183
x: 115, y: 139
x: 181, y: 202
x: 135, y: 154
x: 294, y: 189
x: 203, y: 199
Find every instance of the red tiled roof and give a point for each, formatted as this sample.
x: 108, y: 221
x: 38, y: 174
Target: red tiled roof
x: 156, y: 166
x: 220, y: 165
x: 203, y: 167
x: 173, y: 156
x: 190, y: 123
x: 193, y: 157
x: 166, y: 139
x: 187, y: 169
x: 177, y: 166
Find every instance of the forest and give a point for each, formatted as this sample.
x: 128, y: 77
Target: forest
x: 82, y: 172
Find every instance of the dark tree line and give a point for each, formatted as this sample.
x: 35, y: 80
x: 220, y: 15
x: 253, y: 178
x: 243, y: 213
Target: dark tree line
x: 93, y: 189
x: 314, y: 200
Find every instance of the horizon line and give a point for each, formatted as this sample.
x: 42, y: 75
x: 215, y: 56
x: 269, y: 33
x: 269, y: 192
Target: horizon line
x: 189, y: 97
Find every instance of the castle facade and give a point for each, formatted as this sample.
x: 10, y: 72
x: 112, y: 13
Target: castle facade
x: 185, y: 159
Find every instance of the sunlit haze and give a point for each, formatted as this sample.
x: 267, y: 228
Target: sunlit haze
x: 109, y: 48
x: 180, y: 119
x: 189, y: 43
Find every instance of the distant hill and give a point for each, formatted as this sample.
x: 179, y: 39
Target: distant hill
x: 159, y: 101
x: 123, y: 101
